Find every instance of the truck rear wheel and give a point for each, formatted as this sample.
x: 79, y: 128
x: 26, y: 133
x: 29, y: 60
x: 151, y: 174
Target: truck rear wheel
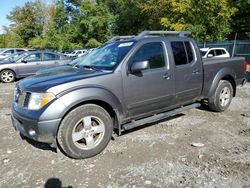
x: 222, y: 97
x: 85, y: 131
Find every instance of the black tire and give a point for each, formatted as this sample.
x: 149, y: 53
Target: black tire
x: 74, y: 120
x: 216, y: 103
x: 7, y: 76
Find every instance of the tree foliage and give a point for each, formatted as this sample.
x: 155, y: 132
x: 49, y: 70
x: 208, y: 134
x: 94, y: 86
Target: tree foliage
x: 68, y: 24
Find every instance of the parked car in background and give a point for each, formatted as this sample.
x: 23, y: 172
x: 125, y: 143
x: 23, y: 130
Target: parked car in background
x: 214, y: 52
x: 9, y: 51
x: 67, y: 52
x: 64, y: 67
x: 77, y: 53
x: 12, y: 57
x: 29, y: 63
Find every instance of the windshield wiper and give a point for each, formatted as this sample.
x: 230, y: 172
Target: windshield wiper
x: 91, y: 67
x: 77, y: 66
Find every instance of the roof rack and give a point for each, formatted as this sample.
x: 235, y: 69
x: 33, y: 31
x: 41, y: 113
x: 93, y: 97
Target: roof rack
x: 180, y: 33
x: 147, y: 33
x: 117, y: 38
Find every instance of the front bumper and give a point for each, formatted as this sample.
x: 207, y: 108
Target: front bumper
x: 41, y: 131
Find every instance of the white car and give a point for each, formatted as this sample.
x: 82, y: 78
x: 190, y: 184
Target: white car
x: 77, y: 53
x: 214, y: 52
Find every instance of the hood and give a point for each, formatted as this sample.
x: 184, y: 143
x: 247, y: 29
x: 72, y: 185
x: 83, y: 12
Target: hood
x: 48, y: 78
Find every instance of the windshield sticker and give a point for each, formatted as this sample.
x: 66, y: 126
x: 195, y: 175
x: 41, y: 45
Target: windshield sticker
x: 125, y: 44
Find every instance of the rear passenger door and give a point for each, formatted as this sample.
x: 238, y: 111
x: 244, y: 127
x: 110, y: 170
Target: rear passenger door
x: 188, y: 72
x: 50, y: 60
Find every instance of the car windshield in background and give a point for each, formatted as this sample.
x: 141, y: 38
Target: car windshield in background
x: 15, y: 58
x: 76, y: 61
x: 106, y: 57
x: 203, y: 52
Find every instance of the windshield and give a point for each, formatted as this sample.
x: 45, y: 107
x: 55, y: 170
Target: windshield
x: 106, y: 57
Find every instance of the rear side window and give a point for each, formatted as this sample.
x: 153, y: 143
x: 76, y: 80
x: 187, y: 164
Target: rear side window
x: 152, y: 52
x: 50, y: 57
x: 220, y: 52
x: 179, y: 53
x: 9, y: 52
x: 190, y: 53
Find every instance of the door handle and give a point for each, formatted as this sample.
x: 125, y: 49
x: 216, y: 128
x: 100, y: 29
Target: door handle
x: 196, y: 72
x: 167, y: 76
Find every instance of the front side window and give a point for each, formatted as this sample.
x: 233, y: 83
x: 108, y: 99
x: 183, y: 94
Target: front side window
x: 8, y: 52
x: 33, y: 57
x: 50, y: 57
x: 151, y: 52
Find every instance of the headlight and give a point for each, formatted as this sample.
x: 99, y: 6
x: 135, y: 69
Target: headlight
x: 38, y: 100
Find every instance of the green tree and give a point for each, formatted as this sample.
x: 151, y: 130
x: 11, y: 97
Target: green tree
x: 27, y: 21
x: 207, y: 19
x: 128, y: 17
x: 241, y: 21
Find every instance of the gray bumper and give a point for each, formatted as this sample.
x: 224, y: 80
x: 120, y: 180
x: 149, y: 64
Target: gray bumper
x: 41, y: 131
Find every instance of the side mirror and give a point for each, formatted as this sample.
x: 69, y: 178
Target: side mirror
x: 210, y: 55
x: 139, y: 66
x: 23, y: 61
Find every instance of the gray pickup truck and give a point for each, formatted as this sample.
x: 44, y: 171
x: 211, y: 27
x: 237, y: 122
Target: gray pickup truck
x: 128, y: 82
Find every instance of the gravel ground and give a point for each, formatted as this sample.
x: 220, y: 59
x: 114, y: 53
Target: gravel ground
x: 160, y: 155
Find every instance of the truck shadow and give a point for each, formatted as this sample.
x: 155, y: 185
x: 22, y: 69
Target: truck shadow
x: 152, y: 124
x: 39, y: 145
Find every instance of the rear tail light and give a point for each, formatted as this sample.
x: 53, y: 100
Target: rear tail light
x: 245, y: 66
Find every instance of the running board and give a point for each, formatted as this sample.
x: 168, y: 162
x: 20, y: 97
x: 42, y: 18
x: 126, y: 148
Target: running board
x: 157, y: 117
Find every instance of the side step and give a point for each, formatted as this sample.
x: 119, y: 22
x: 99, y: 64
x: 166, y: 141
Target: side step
x: 157, y: 117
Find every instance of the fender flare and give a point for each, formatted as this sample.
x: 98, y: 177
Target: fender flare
x: 223, y: 73
x: 78, y: 96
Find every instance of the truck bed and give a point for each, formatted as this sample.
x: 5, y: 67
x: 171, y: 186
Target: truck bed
x: 213, y: 67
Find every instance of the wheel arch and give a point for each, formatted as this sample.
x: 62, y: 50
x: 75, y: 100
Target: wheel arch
x: 223, y: 74
x: 97, y: 96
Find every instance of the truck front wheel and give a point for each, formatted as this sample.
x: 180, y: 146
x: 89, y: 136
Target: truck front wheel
x: 85, y: 131
x: 222, y: 97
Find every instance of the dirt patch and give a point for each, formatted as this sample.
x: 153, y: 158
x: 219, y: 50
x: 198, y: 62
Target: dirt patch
x: 160, y: 155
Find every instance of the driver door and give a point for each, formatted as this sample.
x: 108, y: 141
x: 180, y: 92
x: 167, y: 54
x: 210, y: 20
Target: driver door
x: 151, y: 89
